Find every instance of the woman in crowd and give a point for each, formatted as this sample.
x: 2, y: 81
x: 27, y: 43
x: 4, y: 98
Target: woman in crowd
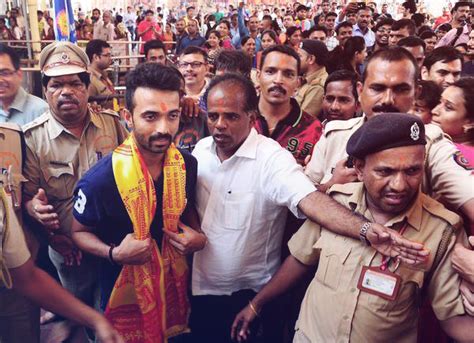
x: 48, y: 31
x: 455, y: 116
x: 5, y: 33
x: 213, y: 46
x: 169, y: 37
x: 249, y: 47
x: 269, y: 38
x: 293, y: 37
x: 224, y: 31
x: 354, y: 54
x: 15, y: 29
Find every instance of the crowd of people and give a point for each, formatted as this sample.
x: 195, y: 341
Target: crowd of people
x: 298, y: 173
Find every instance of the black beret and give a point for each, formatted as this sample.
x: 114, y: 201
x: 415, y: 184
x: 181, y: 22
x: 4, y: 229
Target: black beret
x: 315, y: 48
x: 386, y: 131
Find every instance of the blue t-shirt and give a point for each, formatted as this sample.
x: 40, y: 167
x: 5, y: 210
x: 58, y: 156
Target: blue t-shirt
x: 98, y: 204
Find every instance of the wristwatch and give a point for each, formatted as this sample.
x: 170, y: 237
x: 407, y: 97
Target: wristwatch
x: 363, y: 233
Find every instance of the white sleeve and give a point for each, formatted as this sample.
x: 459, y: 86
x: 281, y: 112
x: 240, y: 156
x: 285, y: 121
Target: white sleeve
x: 284, y: 181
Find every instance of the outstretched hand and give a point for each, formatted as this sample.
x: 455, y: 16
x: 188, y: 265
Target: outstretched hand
x: 390, y: 243
x: 240, y: 330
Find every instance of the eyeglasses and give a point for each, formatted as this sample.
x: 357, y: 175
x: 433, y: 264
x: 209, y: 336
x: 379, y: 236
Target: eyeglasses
x: 6, y: 73
x: 194, y: 65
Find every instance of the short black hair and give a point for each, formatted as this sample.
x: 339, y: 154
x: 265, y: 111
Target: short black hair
x: 411, y: 42
x: 392, y: 54
x: 318, y: 28
x: 151, y: 75
x: 267, y: 17
x: 344, y: 75
x: 444, y: 27
x: 461, y: 4
x: 330, y: 14
x: 341, y: 25
x: 284, y: 49
x: 84, y: 77
x: 147, y: 12
x: 95, y: 47
x: 7, y: 50
x: 428, y: 34
x: 423, y: 29
x: 410, y: 5
x: 153, y: 44
x: 301, y: 8
x: 383, y: 22
x: 418, y: 19
x: 444, y: 54
x: 408, y: 23
x: 234, y: 61
x: 96, y: 9
x: 430, y: 93
x: 189, y: 8
x: 247, y: 87
x: 194, y: 50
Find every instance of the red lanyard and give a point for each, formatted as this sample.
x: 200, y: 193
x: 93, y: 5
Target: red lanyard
x: 386, y: 259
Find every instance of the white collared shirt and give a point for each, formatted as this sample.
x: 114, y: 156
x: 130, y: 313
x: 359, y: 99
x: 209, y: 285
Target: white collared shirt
x: 242, y: 203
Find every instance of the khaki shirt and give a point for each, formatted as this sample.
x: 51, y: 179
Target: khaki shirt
x: 335, y: 310
x: 101, y: 85
x: 14, y: 249
x: 310, y: 95
x: 56, y: 159
x: 444, y: 177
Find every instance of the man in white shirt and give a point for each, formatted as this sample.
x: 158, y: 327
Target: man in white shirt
x: 246, y: 182
x: 361, y: 28
x: 104, y: 29
x: 130, y: 19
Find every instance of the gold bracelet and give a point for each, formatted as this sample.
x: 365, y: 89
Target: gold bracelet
x: 253, y: 308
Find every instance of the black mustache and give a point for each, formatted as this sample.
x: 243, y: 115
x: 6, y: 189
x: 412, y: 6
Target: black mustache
x: 385, y: 108
x: 160, y: 136
x: 277, y: 88
x: 74, y: 101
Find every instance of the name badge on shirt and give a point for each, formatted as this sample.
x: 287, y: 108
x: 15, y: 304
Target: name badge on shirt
x: 384, y: 284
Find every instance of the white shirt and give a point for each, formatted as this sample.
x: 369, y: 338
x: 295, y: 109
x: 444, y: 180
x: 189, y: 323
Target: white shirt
x: 129, y: 19
x: 242, y: 203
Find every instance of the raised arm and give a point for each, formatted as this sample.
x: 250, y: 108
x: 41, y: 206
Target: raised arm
x: 322, y: 209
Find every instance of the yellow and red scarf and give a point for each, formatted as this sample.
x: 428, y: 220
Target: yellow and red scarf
x: 149, y: 302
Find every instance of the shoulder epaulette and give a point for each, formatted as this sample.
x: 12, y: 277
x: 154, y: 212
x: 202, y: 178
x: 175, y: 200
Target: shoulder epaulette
x: 341, y: 125
x: 11, y: 126
x: 438, y: 210
x: 109, y: 112
x: 433, y: 133
x: 347, y: 189
x: 37, y: 122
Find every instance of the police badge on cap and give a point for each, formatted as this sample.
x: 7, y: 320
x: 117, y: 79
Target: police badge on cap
x: 386, y: 131
x: 63, y: 58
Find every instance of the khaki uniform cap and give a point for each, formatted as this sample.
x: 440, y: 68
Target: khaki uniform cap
x: 63, y: 58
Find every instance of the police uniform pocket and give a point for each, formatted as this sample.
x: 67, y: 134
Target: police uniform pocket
x: 331, y: 263
x: 407, y: 297
x: 238, y: 208
x: 60, y: 180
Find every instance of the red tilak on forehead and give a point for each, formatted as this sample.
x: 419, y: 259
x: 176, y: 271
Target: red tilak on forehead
x: 163, y: 107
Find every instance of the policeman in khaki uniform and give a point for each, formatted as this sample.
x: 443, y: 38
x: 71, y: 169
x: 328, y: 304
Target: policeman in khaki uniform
x: 19, y: 317
x: 389, y: 86
x: 101, y: 87
x: 373, y: 298
x: 313, y: 56
x: 61, y: 146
